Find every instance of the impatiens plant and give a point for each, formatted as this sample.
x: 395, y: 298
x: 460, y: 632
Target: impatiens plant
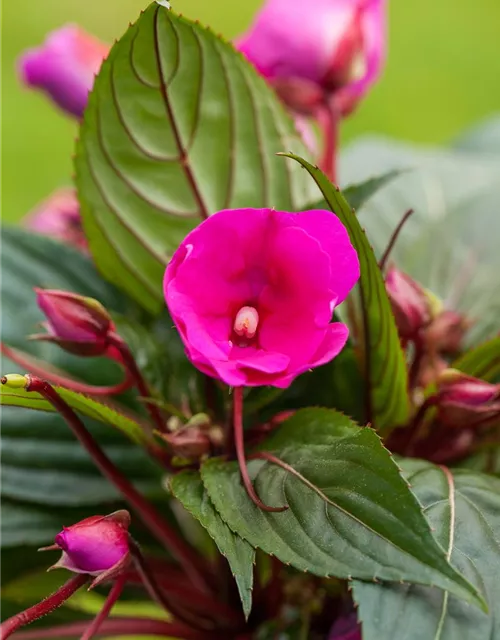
x: 293, y: 434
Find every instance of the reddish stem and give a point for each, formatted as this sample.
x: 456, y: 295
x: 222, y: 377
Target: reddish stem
x: 44, y: 607
x: 113, y: 596
x: 189, y: 597
x: 44, y: 370
x: 189, y: 560
x: 134, y: 372
x: 240, y: 453
x: 328, y: 119
x: 156, y: 593
x: 121, y: 626
x: 392, y: 241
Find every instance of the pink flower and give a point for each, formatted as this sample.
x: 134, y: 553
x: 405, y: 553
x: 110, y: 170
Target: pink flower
x: 98, y: 545
x: 309, y: 49
x: 59, y: 217
x: 252, y: 292
x: 77, y: 324
x: 64, y: 67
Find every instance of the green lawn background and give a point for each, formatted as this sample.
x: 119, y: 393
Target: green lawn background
x: 443, y: 74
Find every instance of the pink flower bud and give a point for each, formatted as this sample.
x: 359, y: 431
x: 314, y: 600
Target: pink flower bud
x: 447, y: 331
x: 259, y: 312
x: 409, y: 303
x: 77, y: 324
x: 316, y: 49
x: 59, y: 217
x: 466, y: 402
x: 98, y: 545
x: 64, y: 67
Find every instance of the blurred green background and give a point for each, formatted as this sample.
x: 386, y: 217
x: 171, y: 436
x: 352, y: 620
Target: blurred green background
x: 442, y: 75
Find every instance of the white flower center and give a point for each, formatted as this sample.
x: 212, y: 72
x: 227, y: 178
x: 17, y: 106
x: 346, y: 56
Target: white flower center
x: 246, y: 322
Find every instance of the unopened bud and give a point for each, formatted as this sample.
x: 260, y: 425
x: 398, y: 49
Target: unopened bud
x: 98, y: 545
x: 77, y: 324
x: 15, y: 381
x: 446, y: 332
x: 467, y: 402
x: 409, y: 303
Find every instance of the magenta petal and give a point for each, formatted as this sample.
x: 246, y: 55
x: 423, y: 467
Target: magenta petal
x: 327, y: 229
x: 332, y: 344
x: 290, y: 268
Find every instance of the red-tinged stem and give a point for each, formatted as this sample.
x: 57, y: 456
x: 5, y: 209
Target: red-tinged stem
x: 123, y: 627
x: 113, y: 595
x: 44, y: 607
x: 188, y: 559
x: 134, y: 372
x: 44, y: 370
x: 190, y: 597
x: 328, y: 119
x: 156, y: 593
x: 239, y: 442
x: 392, y: 241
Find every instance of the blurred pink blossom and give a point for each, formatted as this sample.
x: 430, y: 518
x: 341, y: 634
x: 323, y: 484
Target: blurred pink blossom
x: 59, y: 217
x: 64, y: 67
x: 317, y: 49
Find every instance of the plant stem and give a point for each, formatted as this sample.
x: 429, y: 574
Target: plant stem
x: 188, y: 559
x: 328, y: 119
x: 44, y: 370
x: 134, y: 372
x: 240, y: 453
x: 44, y: 607
x: 392, y: 241
x: 113, y: 596
x: 122, y: 626
x: 156, y: 593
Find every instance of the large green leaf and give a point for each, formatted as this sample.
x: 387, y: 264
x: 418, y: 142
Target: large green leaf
x: 82, y: 404
x: 178, y: 126
x: 350, y: 515
x: 482, y: 361
x: 450, y: 242
x: 188, y: 488
x: 463, y: 508
x: 384, y: 362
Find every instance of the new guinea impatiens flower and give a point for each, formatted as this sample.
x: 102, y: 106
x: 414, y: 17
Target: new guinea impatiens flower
x: 64, y: 67
x: 252, y: 293
x: 318, y: 48
x: 98, y: 545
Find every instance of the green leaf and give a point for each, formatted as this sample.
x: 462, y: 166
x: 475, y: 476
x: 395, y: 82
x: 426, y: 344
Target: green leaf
x: 443, y: 246
x: 463, y: 508
x: 357, y: 194
x: 482, y: 138
x: 178, y: 126
x: 387, y: 399
x: 352, y: 515
x: 82, y: 404
x: 485, y: 460
x: 482, y: 361
x: 188, y: 488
